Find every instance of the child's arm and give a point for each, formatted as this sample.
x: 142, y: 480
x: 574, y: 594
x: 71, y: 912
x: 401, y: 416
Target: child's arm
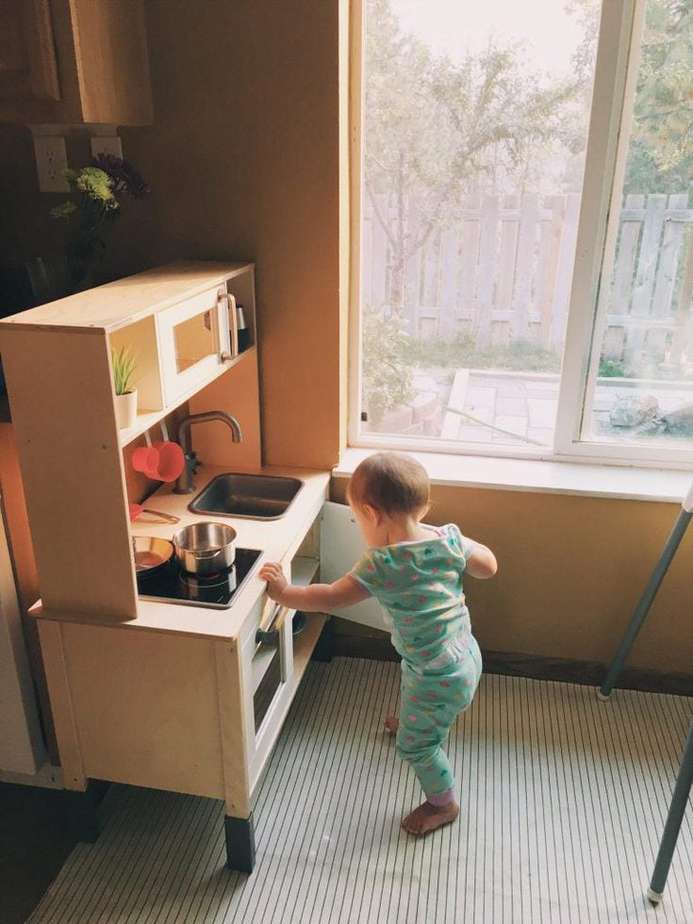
x: 317, y: 598
x: 481, y: 562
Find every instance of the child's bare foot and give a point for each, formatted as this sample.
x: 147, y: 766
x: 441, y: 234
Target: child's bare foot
x: 391, y: 724
x: 428, y: 817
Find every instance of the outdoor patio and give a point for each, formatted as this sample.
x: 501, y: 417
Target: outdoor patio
x: 515, y: 408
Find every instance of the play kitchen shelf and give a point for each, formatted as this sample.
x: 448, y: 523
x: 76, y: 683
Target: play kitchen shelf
x: 188, y: 698
x: 178, y: 323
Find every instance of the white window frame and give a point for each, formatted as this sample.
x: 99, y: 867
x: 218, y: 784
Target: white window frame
x: 616, y: 73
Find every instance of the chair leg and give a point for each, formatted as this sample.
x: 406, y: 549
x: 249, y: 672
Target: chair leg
x: 644, y: 604
x: 672, y: 827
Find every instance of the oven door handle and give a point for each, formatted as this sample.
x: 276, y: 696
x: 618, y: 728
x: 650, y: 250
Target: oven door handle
x: 269, y: 633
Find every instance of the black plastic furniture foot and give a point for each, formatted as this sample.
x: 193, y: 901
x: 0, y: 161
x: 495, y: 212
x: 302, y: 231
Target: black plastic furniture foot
x: 240, y: 843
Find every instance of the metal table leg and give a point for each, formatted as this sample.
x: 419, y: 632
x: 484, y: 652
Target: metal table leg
x: 672, y: 827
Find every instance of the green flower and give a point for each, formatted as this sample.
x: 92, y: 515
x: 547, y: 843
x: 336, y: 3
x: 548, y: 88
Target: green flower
x: 96, y: 184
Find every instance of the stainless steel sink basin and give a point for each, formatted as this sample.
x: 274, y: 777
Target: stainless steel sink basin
x: 256, y: 497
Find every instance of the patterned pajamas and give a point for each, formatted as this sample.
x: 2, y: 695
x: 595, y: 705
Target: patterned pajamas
x: 419, y: 584
x: 430, y: 703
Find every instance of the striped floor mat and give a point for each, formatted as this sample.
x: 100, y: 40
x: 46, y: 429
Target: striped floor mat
x: 563, y: 803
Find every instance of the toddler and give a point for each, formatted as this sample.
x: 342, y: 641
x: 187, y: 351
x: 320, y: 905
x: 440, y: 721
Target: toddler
x: 415, y: 572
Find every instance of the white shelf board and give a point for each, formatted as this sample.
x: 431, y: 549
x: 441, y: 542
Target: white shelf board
x: 150, y: 419
x: 303, y: 570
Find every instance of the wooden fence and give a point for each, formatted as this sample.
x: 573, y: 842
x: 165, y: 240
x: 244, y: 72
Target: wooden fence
x: 503, y: 272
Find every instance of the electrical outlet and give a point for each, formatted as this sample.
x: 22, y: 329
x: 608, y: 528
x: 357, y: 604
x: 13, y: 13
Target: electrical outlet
x: 106, y: 144
x: 51, y: 163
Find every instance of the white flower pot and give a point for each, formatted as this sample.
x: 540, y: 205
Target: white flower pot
x: 126, y: 409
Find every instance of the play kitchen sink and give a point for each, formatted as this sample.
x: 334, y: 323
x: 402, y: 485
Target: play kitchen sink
x: 257, y: 497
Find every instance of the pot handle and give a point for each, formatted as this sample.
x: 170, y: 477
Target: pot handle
x: 199, y: 553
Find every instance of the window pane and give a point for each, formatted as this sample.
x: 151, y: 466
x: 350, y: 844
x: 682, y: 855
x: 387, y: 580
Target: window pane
x: 474, y: 135
x: 642, y: 389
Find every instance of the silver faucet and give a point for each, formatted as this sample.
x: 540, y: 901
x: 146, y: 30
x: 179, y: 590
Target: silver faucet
x: 186, y: 482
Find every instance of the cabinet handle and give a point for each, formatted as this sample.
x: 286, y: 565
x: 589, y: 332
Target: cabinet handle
x: 269, y: 634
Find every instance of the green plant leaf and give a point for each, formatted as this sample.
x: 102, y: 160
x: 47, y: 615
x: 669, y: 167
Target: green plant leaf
x: 124, y: 366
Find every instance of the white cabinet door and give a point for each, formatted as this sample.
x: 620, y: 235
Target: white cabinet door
x: 341, y: 546
x: 194, y: 342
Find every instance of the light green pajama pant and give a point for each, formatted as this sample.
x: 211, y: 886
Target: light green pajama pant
x: 430, y: 703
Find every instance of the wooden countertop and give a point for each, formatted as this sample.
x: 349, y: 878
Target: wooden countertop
x: 127, y: 300
x: 274, y: 538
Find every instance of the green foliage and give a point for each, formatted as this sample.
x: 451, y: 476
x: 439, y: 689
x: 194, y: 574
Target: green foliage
x: 463, y: 352
x: 97, y: 185
x: 65, y: 210
x: 124, y: 365
x: 661, y: 147
x: 660, y: 155
x: 611, y: 369
x: 92, y: 186
x: 93, y: 205
x: 435, y: 129
x: 387, y: 363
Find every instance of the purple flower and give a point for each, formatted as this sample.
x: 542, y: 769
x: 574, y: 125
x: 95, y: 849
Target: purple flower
x: 123, y: 175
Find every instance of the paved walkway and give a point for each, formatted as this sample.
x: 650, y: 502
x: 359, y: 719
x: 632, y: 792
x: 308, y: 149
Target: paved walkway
x: 512, y: 408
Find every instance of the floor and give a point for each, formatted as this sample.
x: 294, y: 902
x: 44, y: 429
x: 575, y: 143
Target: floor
x: 564, y: 799
x: 35, y: 841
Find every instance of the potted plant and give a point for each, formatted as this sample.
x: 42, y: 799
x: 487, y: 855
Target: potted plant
x: 123, y: 363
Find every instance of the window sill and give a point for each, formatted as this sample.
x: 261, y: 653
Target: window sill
x: 530, y: 475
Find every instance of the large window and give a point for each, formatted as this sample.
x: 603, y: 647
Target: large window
x: 526, y: 228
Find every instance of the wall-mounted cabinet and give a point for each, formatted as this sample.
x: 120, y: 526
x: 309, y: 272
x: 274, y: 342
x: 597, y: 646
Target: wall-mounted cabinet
x: 74, y: 61
x: 175, y: 322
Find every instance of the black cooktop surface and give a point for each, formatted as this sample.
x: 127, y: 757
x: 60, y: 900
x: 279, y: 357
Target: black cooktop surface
x: 218, y: 590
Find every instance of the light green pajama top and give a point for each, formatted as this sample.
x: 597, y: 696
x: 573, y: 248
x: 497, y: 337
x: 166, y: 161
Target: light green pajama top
x: 419, y: 585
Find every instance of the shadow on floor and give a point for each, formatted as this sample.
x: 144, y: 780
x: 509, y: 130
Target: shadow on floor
x: 35, y: 841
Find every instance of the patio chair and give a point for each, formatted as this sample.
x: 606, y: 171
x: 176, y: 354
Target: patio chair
x: 643, y: 607
x: 684, y: 779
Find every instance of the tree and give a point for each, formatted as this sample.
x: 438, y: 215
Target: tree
x: 660, y: 158
x: 387, y: 374
x: 660, y: 153
x: 433, y: 128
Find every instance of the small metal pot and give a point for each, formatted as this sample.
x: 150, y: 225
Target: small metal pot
x: 205, y: 548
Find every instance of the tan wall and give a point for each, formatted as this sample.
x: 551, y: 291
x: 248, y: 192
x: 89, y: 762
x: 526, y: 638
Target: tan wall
x: 243, y: 160
x: 571, y: 570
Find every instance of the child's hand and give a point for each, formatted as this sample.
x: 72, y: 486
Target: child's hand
x: 276, y: 580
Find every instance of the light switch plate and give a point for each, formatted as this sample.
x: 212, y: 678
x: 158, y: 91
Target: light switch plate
x: 51, y: 163
x: 106, y: 144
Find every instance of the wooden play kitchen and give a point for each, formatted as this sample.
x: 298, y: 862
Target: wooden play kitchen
x: 181, y: 684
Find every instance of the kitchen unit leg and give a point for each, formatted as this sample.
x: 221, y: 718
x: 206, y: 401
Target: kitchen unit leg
x: 240, y: 843
x: 325, y: 644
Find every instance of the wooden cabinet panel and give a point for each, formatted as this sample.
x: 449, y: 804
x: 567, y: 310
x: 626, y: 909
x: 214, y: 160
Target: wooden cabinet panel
x: 112, y: 61
x: 28, y: 64
x: 74, y: 61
